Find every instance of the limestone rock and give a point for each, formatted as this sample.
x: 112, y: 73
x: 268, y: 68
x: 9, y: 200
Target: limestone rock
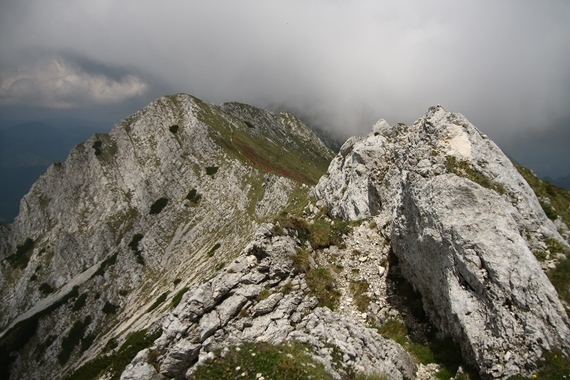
x: 136, y: 216
x: 140, y: 368
x: 279, y: 318
x: 463, y: 223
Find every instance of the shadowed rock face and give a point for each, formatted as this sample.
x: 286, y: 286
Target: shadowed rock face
x: 463, y: 224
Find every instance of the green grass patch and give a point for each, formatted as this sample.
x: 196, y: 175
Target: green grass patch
x: 134, y: 246
x: 97, y: 147
x: 463, y: 168
x: 358, y: 288
x: 178, y: 297
x: 560, y: 279
x: 219, y: 266
x: 109, y: 308
x: 110, y: 146
x: 371, y: 376
x: 213, y: 249
x: 321, y: 284
x: 287, y: 288
x: 22, y: 256
x: 302, y: 260
x: 553, y: 366
x: 106, y: 264
x: 72, y: 339
x: 322, y: 233
x: 444, y: 352
x: 46, y: 289
x: 194, y: 197
x: 79, y: 302
x: 557, y: 207
x: 296, y: 158
x: 173, y: 128
x: 115, y: 363
x: 554, y: 246
x: 18, y: 336
x: 14, y: 341
x: 158, y: 206
x: 548, y: 210
x: 211, y: 170
x: 559, y: 197
x: 87, y: 341
x: 291, y: 361
x: 40, y: 349
x: 540, y: 254
x: 158, y: 302
x: 263, y: 294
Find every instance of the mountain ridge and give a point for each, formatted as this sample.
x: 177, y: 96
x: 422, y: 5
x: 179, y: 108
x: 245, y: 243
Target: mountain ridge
x: 137, y: 198
x: 190, y: 226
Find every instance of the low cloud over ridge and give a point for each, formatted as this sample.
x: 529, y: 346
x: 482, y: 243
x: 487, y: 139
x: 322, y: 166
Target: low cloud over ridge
x: 342, y: 64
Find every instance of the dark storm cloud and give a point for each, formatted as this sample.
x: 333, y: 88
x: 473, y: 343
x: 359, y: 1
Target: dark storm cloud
x: 503, y: 64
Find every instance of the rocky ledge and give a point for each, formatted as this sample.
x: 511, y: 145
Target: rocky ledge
x: 263, y: 297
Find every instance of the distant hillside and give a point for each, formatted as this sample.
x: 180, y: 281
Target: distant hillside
x: 560, y: 181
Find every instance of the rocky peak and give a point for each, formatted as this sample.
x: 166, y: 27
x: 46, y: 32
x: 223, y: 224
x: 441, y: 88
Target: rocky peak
x: 463, y: 224
x: 105, y: 240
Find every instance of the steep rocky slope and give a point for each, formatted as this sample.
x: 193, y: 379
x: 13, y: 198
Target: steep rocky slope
x: 104, y: 241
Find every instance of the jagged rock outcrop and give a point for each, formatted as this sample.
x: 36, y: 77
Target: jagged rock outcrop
x: 227, y: 310
x: 463, y: 224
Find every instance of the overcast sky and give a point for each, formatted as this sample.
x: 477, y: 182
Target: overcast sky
x: 343, y: 64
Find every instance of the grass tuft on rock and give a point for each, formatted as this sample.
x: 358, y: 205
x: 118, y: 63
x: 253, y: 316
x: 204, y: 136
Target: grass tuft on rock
x: 359, y: 289
x: 158, y: 302
x: 72, y: 339
x: 21, y: 258
x: 178, y: 297
x: 158, y: 205
x: 114, y: 363
x: 321, y: 284
x: 194, y: 197
x: 290, y: 361
x: 442, y: 351
x: 553, y: 199
x: 463, y: 168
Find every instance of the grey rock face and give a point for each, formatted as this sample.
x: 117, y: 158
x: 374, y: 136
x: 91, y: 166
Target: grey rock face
x: 140, y: 369
x: 481, y: 281
x: 467, y: 248
x: 285, y: 315
x: 97, y: 222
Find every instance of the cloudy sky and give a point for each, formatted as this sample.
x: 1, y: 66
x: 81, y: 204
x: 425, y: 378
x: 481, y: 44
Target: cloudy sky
x: 341, y: 64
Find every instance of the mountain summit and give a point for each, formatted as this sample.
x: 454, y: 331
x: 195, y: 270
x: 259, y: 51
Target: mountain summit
x: 203, y: 241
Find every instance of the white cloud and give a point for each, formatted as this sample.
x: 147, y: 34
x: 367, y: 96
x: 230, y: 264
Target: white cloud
x: 58, y: 82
